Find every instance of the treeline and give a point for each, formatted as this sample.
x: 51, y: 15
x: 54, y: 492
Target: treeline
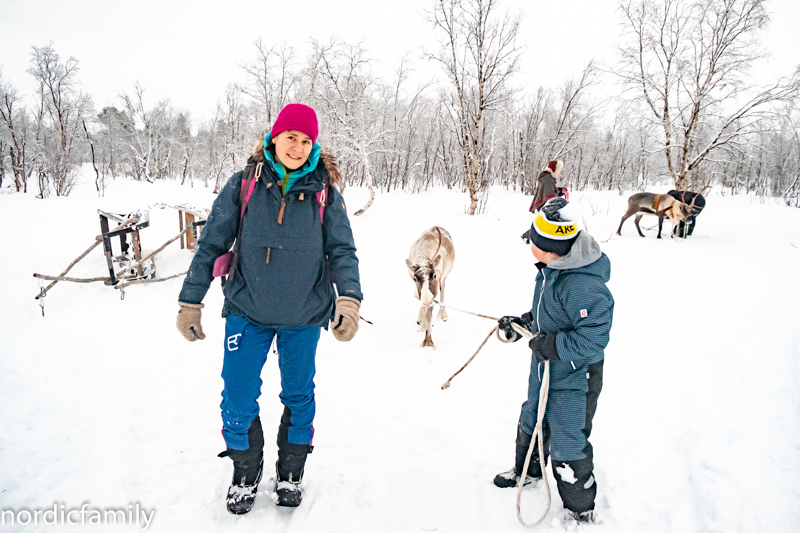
x: 682, y: 118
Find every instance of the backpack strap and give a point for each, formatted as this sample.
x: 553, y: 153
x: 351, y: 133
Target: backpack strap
x: 249, y: 181
x: 323, y: 197
x: 249, y: 184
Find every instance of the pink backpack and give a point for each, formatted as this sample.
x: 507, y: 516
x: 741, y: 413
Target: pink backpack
x: 224, y: 264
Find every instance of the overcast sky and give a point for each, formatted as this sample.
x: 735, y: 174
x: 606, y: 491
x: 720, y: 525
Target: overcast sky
x: 188, y: 51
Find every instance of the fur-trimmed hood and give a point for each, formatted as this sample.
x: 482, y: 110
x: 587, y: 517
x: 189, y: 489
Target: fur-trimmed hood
x: 326, y: 158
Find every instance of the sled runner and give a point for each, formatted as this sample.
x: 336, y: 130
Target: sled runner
x: 126, y: 266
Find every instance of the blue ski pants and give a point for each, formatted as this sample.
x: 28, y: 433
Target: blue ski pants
x: 246, y: 348
x: 566, y: 407
x: 571, y: 404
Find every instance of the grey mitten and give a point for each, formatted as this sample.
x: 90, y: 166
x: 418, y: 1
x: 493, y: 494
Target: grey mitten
x: 189, y: 321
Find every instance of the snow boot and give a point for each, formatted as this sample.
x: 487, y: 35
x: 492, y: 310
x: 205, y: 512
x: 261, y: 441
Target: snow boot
x: 511, y: 477
x: 586, y: 517
x: 576, y: 486
x: 242, y: 492
x: 248, y: 467
x: 290, y: 466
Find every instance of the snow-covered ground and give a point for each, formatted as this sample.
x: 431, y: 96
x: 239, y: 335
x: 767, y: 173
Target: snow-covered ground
x: 102, y: 402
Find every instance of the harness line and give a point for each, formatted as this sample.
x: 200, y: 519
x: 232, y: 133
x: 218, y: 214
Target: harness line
x: 543, y: 393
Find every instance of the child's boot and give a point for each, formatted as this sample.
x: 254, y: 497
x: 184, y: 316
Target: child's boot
x: 511, y: 477
x: 577, y: 487
x: 585, y: 517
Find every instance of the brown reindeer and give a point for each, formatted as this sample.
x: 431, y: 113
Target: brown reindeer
x: 660, y: 205
x: 429, y: 262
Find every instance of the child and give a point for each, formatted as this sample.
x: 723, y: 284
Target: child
x: 571, y: 320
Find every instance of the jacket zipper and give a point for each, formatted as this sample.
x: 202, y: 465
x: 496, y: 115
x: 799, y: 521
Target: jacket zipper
x: 538, y: 327
x: 280, y: 221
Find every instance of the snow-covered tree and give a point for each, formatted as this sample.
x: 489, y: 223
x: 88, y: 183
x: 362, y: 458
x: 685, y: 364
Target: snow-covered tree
x: 479, y: 54
x: 687, y: 62
x: 62, y: 108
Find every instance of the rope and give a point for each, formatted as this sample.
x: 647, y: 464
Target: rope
x: 465, y: 312
x: 537, y: 437
x: 446, y: 384
x: 544, y: 390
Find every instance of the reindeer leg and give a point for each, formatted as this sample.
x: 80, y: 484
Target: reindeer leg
x: 626, y: 216
x: 660, y: 223
x: 442, y: 312
x: 428, y: 341
x: 636, y: 223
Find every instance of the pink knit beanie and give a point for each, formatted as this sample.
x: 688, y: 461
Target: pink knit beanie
x: 298, y: 117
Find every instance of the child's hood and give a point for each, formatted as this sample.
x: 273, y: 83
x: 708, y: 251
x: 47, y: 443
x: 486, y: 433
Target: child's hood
x: 586, y: 255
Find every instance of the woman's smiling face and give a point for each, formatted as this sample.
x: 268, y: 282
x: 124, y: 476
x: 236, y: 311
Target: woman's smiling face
x: 292, y: 148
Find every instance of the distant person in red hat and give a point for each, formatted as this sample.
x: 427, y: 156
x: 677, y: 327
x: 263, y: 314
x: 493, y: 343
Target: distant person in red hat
x: 546, y: 185
x: 545, y: 190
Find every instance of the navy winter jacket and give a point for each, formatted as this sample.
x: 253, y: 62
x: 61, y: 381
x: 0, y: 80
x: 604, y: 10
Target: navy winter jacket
x: 285, y: 267
x: 571, y: 299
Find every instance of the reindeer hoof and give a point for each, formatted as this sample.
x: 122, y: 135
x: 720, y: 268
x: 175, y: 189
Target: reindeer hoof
x: 428, y: 341
x: 443, y: 317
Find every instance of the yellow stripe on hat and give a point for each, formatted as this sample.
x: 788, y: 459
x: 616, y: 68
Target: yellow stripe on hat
x: 554, y: 230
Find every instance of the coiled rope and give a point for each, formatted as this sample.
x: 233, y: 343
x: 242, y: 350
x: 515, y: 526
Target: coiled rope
x: 537, y: 432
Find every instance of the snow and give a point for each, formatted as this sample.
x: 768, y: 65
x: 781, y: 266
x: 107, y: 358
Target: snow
x: 697, y: 430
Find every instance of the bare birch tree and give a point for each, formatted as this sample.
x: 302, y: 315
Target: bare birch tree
x: 14, y: 118
x: 110, y: 139
x: 148, y: 133
x: 62, y: 110
x: 270, y: 77
x: 479, y: 54
x: 688, y: 61
x: 344, y: 85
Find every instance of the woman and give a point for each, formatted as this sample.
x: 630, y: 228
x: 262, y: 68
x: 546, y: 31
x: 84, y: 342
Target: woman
x: 294, y: 244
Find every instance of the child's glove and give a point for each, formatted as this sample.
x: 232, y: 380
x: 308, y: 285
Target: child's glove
x: 504, y: 324
x: 543, y: 346
x: 345, y: 318
x: 189, y: 321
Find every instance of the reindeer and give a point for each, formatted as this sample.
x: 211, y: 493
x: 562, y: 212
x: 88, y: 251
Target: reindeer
x: 429, y: 262
x: 661, y: 205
